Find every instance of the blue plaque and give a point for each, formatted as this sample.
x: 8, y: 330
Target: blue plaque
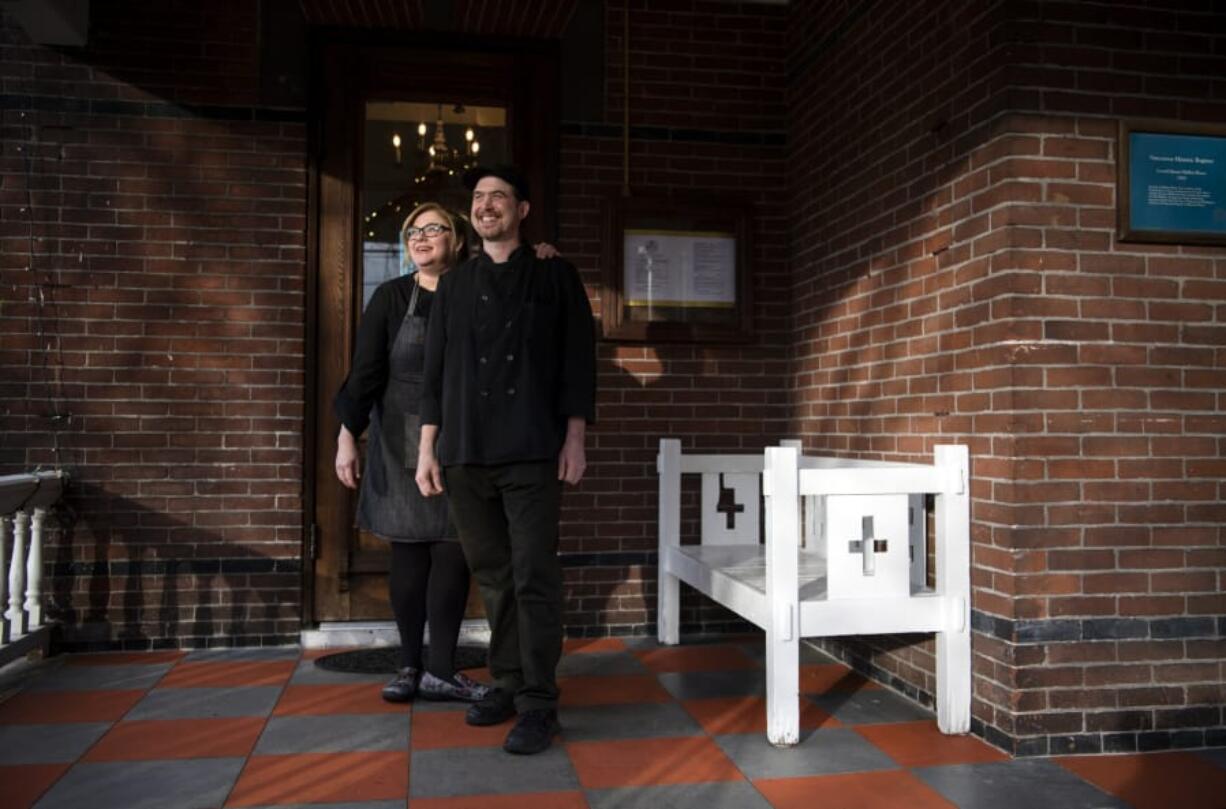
x: 1176, y: 185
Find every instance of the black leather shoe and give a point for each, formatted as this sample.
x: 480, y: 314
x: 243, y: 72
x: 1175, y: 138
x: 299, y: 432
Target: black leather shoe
x: 533, y: 733
x: 497, y: 707
x: 403, y: 687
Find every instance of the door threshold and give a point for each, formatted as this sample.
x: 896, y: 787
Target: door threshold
x: 363, y: 634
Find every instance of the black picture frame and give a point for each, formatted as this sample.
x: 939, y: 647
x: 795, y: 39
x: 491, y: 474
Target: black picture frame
x: 720, y: 311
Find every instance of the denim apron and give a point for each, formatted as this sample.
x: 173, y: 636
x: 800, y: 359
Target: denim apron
x: 390, y: 504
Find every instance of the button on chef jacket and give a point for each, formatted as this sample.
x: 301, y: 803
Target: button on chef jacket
x: 510, y: 356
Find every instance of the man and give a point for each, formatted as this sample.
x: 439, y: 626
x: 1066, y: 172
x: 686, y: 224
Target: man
x: 509, y: 387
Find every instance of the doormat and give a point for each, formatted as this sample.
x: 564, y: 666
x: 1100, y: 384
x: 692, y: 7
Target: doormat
x: 386, y: 659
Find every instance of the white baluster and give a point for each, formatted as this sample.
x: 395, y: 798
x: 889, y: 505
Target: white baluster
x: 34, y: 572
x: 17, y: 575
x: 4, y: 541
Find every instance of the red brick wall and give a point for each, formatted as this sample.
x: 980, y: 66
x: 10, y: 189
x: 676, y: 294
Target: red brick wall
x: 159, y: 216
x: 958, y: 277
x: 706, y: 105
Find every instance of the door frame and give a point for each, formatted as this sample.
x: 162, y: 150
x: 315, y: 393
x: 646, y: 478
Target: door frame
x: 521, y: 75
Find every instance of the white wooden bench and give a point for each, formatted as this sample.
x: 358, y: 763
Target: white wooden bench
x: 844, y: 553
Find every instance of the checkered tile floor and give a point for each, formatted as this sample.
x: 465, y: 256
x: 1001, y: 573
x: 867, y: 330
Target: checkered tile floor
x: 643, y: 726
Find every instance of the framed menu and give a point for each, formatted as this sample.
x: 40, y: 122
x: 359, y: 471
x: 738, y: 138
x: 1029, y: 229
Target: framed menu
x: 676, y: 270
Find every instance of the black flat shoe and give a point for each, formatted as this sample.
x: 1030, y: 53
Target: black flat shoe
x: 533, y: 733
x: 403, y: 687
x: 495, y: 708
x: 460, y: 687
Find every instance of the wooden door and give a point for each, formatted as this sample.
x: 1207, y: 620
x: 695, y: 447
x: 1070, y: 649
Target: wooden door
x: 368, y: 174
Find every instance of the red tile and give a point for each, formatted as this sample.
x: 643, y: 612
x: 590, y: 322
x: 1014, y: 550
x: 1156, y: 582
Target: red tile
x: 154, y: 739
x: 922, y: 744
x: 322, y: 778
x: 125, y: 658
x: 818, y: 678
x: 621, y: 690
x: 435, y: 730
x: 319, y: 700
x: 573, y: 646
x: 1155, y: 780
x: 315, y: 654
x: 54, y: 707
x: 647, y: 762
x: 535, y: 800
x: 748, y: 715
x: 24, y: 784
x: 715, y: 657
x: 884, y: 789
x: 229, y: 673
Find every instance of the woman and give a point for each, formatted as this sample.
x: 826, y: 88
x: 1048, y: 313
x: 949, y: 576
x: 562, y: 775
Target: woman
x: 429, y: 578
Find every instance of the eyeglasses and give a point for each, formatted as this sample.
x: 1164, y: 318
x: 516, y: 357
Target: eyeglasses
x: 431, y: 230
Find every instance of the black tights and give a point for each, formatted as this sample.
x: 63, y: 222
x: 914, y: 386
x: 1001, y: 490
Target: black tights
x: 429, y: 580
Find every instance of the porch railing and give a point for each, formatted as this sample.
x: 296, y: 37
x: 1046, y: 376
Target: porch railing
x: 24, y: 501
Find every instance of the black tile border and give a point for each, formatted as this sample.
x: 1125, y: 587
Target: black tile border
x: 1078, y: 630
x: 150, y: 109
x: 677, y: 134
x: 163, y: 567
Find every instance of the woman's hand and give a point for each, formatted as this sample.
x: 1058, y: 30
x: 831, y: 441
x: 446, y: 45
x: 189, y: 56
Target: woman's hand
x: 347, y: 463
x: 545, y: 250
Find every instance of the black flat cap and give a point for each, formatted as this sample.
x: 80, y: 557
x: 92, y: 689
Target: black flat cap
x: 509, y: 174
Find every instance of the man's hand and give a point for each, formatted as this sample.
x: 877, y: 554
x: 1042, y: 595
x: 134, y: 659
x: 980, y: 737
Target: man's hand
x: 347, y: 464
x: 572, y: 460
x: 545, y: 250
x: 429, y: 475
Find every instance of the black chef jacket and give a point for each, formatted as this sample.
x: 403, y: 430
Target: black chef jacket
x: 380, y: 323
x: 510, y: 356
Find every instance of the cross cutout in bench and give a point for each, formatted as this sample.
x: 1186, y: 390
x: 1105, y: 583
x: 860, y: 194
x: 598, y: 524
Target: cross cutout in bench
x: 868, y: 545
x: 727, y: 504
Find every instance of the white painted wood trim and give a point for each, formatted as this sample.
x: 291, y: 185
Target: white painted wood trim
x: 953, y: 580
x: 668, y: 589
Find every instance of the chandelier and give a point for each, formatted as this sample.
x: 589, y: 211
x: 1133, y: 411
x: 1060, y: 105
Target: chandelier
x: 437, y: 157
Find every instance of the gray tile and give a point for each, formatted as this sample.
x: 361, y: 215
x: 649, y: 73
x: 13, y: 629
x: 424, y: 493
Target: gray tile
x: 206, y: 703
x: 707, y: 684
x: 251, y: 653
x: 1022, y: 784
x: 869, y: 706
x: 808, y: 653
x: 101, y: 678
x: 48, y: 744
x: 820, y: 753
x: 721, y: 795
x: 333, y: 734
x: 192, y: 784
x: 627, y: 721
x: 475, y: 770
x: 307, y: 673
x: 600, y: 664
x: 430, y: 706
x: 1216, y: 755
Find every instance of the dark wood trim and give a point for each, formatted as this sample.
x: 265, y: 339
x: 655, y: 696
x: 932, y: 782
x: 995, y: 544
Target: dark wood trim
x: 350, y: 68
x: 1123, y: 182
x: 676, y: 211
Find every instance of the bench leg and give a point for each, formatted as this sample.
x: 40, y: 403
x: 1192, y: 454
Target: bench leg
x: 668, y: 609
x: 954, y: 680
x: 782, y: 687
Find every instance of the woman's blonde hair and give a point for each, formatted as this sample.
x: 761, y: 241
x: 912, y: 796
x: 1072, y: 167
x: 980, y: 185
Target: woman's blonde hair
x: 459, y: 229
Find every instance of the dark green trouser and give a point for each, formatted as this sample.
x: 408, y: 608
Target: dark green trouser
x: 507, y: 516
